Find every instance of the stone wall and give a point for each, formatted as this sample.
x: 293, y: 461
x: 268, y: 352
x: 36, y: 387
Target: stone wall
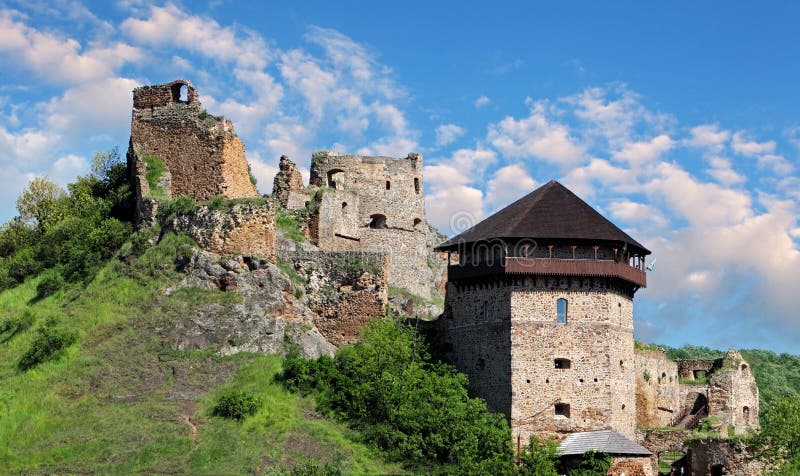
x: 733, y: 394
x: 373, y: 204
x: 202, y: 153
x: 658, y: 398
x: 503, y: 334
x: 688, y: 369
x: 244, y: 229
x: 345, y: 290
x: 597, y: 339
x: 631, y: 467
x: 721, y: 457
x: 287, y: 187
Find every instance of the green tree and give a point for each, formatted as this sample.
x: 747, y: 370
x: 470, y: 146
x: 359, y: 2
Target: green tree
x: 42, y: 203
x: 539, y: 458
x: 779, y: 439
x: 414, y: 409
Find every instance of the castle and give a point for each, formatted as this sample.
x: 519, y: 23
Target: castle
x: 538, y: 308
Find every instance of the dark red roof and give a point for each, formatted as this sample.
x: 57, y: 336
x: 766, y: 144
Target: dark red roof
x: 550, y: 212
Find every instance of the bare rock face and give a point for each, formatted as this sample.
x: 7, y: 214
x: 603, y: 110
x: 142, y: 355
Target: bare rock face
x: 288, y: 182
x: 260, y: 316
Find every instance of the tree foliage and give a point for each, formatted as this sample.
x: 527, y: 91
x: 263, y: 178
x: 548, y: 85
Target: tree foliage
x: 539, y: 458
x: 414, y: 409
x: 69, y: 232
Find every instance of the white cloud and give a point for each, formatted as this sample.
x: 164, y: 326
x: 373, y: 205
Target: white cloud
x: 508, y: 184
x: 638, y: 153
x: 708, y: 136
x: 775, y: 163
x: 482, y: 101
x: 723, y: 173
x: 58, y: 59
x: 536, y: 137
x: 743, y: 146
x: 447, y: 134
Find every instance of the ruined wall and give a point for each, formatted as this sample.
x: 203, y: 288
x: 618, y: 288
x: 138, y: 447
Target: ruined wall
x: 597, y: 338
x: 631, y: 467
x: 244, y: 229
x: 733, y: 394
x: 689, y: 369
x: 721, y: 457
x: 658, y: 396
x: 287, y: 187
x: 357, y: 190
x: 345, y: 290
x: 202, y: 153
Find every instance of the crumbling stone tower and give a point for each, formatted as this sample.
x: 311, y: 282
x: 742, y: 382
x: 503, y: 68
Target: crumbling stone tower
x: 373, y: 204
x: 201, y: 153
x: 539, y: 315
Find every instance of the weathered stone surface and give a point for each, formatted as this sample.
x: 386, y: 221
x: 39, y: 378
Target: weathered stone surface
x: 287, y: 187
x: 202, y: 153
x: 345, y: 290
x: 658, y: 397
x: 374, y: 204
x: 631, y: 467
x: 268, y: 313
x: 244, y: 229
x: 722, y: 457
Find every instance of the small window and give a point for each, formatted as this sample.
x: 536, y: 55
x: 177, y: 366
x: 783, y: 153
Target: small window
x: 417, y: 222
x: 485, y: 310
x: 416, y: 184
x: 344, y: 205
x: 562, y: 363
x: 744, y: 367
x: 388, y: 185
x: 377, y: 221
x: 561, y: 311
x: 562, y: 410
x: 746, y: 414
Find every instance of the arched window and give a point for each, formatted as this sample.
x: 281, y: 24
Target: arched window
x: 180, y: 93
x: 561, y: 311
x: 377, y: 221
x: 746, y: 414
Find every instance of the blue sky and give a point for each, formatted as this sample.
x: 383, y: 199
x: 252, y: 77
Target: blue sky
x: 679, y: 122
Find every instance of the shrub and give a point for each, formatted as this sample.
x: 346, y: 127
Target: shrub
x: 414, y: 409
x: 155, y: 168
x: 169, y: 209
x: 49, y: 344
x: 539, y: 458
x: 290, y: 227
x: 49, y: 283
x: 236, y: 405
x: 13, y: 326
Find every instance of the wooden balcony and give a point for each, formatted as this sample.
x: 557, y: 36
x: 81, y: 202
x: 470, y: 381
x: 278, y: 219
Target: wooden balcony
x: 551, y: 267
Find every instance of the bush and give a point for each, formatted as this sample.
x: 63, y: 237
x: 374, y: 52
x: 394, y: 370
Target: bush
x: 236, y: 405
x: 414, y: 409
x: 49, y: 344
x: 13, y: 326
x: 49, y: 283
x: 539, y: 458
x: 169, y: 209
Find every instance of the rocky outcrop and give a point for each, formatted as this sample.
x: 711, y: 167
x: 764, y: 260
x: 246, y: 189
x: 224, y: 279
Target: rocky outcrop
x: 260, y: 315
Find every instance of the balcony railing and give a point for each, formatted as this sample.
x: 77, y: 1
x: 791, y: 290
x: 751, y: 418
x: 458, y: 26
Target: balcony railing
x: 551, y: 267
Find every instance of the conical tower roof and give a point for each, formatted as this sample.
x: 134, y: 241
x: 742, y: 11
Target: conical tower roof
x: 551, y: 212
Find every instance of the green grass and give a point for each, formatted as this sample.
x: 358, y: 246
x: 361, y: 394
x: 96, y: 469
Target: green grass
x: 289, y: 225
x: 122, y: 400
x: 155, y: 168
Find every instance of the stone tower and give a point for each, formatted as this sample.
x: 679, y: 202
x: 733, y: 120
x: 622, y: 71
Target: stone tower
x: 539, y: 315
x: 373, y: 204
x: 201, y: 154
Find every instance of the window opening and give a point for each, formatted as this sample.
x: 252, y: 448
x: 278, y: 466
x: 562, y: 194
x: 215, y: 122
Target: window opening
x: 561, y: 311
x: 562, y: 363
x: 377, y: 221
x: 416, y: 184
x: 562, y: 409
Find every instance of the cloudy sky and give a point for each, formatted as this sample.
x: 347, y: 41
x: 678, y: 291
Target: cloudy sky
x: 680, y: 124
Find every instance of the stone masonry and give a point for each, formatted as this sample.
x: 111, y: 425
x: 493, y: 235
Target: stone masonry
x: 287, y: 187
x: 373, y: 204
x: 202, y: 153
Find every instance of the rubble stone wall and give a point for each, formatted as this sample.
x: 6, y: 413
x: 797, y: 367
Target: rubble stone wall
x: 725, y: 456
x: 202, y: 153
x: 658, y: 398
x: 345, y: 290
x: 245, y: 229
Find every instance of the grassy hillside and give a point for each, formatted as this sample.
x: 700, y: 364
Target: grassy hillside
x: 122, y: 401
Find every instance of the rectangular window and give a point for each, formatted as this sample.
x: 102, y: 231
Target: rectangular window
x: 562, y: 410
x: 562, y: 363
x: 485, y: 310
